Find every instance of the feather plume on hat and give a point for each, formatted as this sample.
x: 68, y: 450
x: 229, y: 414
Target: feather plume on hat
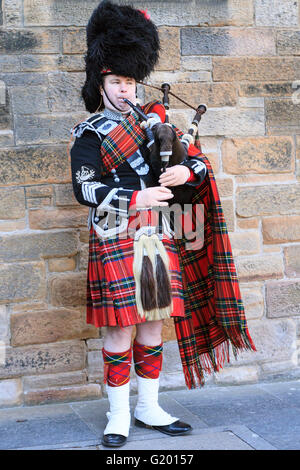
x: 121, y: 40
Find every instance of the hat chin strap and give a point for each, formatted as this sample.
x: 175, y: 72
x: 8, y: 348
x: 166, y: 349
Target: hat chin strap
x: 120, y: 110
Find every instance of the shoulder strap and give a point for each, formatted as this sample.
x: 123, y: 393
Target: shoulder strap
x: 91, y: 124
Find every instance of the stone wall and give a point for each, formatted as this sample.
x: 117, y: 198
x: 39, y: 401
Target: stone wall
x: 240, y: 57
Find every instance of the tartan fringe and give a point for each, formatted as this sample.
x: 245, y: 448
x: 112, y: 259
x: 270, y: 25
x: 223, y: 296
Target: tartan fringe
x: 214, y: 360
x: 240, y: 340
x: 193, y: 376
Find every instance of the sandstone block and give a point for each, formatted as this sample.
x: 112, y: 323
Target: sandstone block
x: 64, y: 91
x: 45, y: 219
x: 266, y: 89
x: 229, y: 42
x: 261, y: 69
x: 232, y: 122
x: 74, y: 41
x: 276, y: 13
x: 237, y: 375
x: 84, y: 235
x: 214, y: 160
x: 282, y: 115
x: 225, y: 187
x: 244, y: 243
x: 3, y: 323
x: 281, y: 229
x: 39, y: 191
x: 22, y: 282
x: 253, y: 301
x: 267, y: 200
x: 197, y: 13
x: 68, y: 289
x: 168, y: 331
x: 292, y: 260
x: 169, y: 58
x: 246, y: 224
x: 53, y: 13
x: 64, y: 195
x: 288, y: 42
x: 6, y: 138
x: 13, y: 13
x: 283, y: 298
x: 171, y: 362
x: 227, y: 206
x: 83, y: 257
x: 2, y: 351
x: 43, y: 129
x: 38, y: 202
x: 62, y: 394
x: 12, y: 203
x: 33, y: 100
x: 258, y: 155
x: 95, y: 344
x: 9, y: 63
x: 158, y: 77
x: 213, y: 94
x: 39, y: 327
x: 195, y: 63
x: 35, y: 382
x: 265, y: 179
x: 61, y: 264
x: 272, y: 248
x: 10, y: 392
x: 275, y: 341
x: 32, y: 165
x: 5, y: 106
x: 29, y: 41
x: 38, y: 196
x: 24, y: 79
x: 298, y: 147
x: 259, y: 267
x: 71, y: 63
x: 253, y: 102
x: 277, y: 369
x: 95, y: 366
x: 38, y: 62
x: 30, y: 305
x: 49, y: 358
x: 33, y: 246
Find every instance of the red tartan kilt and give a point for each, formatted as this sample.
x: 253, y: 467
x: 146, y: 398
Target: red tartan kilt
x: 111, y: 285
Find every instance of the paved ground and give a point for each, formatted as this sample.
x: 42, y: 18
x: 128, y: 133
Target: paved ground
x: 263, y: 416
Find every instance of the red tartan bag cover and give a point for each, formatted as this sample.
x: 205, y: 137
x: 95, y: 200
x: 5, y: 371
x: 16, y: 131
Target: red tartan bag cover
x: 214, y: 312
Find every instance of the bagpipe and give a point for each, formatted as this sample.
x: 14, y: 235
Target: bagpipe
x: 151, y: 263
x: 165, y: 147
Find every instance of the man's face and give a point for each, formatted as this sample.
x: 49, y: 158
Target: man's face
x: 118, y: 87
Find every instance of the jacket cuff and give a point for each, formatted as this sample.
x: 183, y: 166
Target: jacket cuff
x: 117, y: 201
x: 198, y: 169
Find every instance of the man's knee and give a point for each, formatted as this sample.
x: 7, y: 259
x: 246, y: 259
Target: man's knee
x: 119, y: 334
x: 149, y: 333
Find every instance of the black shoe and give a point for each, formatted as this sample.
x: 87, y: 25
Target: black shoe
x: 113, y: 440
x: 174, y: 429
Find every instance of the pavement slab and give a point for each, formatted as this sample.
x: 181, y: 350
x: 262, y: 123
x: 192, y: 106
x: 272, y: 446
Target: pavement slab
x: 264, y: 416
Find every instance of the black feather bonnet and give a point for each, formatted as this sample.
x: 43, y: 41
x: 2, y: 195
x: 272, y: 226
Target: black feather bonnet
x: 121, y: 39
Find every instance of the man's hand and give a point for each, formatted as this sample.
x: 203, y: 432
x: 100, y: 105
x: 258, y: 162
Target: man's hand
x: 174, y: 176
x: 155, y: 196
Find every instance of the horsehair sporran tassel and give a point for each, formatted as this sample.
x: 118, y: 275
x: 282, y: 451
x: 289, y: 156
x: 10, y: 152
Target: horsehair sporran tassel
x: 152, y: 278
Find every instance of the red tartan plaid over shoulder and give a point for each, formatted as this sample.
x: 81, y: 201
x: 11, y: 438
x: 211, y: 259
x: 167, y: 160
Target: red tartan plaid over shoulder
x: 214, y: 311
